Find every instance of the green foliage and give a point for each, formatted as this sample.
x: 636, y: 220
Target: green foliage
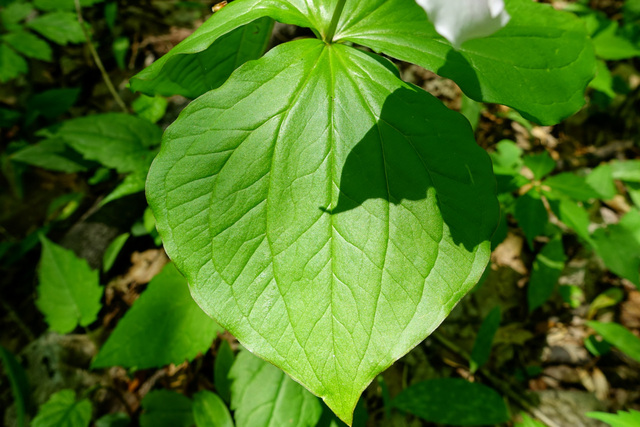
x: 59, y: 27
x: 453, y: 401
x: 19, y: 385
x: 482, y: 347
x: 531, y: 215
x: 262, y: 395
x: 619, y: 336
x: 210, y: 411
x: 621, y: 419
x: 118, y: 419
x: 163, y: 326
x: 68, y: 291
x: 113, y: 250
x: 62, y: 410
x: 52, y: 154
x: 223, y: 363
x: 164, y: 408
x: 547, y: 269
x: 150, y: 108
x: 527, y: 421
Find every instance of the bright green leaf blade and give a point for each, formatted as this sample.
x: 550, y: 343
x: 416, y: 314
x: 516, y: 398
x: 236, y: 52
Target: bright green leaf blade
x: 59, y: 27
x: 606, y: 299
x: 195, y: 74
x: 51, y: 154
x: 132, y: 184
x: 49, y: 5
x: 118, y: 419
x: 619, y: 336
x: 573, y: 216
x: 482, y: 346
x: 224, y: 361
x: 619, y: 246
x: 11, y: 64
x: 453, y: 401
x: 627, y: 170
x: 612, y: 46
x: 69, y: 293
x: 621, y: 419
x: 114, y: 248
x: 531, y: 215
x: 507, y: 159
x: 339, y: 240
x: 164, y: 408
x: 527, y: 421
x: 601, y: 180
x: 14, y: 13
x: 571, y: 185
x: 173, y: 73
x: 120, y: 48
x: 19, y: 384
x: 118, y: 141
x: 547, y: 269
x: 62, y: 410
x: 210, y: 411
x: 53, y: 102
x: 545, y: 86
x: 29, y: 45
x: 163, y: 326
x: 262, y: 395
x: 540, y: 164
x: 151, y: 108
x: 603, y: 81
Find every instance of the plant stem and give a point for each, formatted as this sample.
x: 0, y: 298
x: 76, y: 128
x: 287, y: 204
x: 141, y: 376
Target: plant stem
x: 98, y: 61
x: 328, y: 38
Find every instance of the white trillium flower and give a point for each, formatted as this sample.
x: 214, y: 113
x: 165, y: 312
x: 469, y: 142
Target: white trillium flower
x: 462, y: 20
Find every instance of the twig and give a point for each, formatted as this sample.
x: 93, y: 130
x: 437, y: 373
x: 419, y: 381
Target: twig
x: 498, y: 383
x: 98, y: 61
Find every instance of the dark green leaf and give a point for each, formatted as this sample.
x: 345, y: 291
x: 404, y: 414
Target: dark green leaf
x: 224, y: 361
x: 547, y: 269
x: 150, y: 108
x: 69, y: 293
x: 210, y: 411
x: 619, y: 246
x: 11, y: 64
x: 164, y: 408
x: 29, y: 45
x: 531, y: 215
x: 118, y: 419
x: 51, y: 154
x: 52, y: 103
x: 163, y: 326
x: 622, y: 338
x: 62, y: 410
x: 19, y: 384
x: 112, y: 251
x: 597, y: 346
x: 482, y: 347
x: 601, y: 180
x: 59, y: 27
x: 262, y: 395
x: 453, y: 401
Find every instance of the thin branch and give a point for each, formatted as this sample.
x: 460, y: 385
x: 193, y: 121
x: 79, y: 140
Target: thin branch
x: 98, y: 61
x: 498, y: 383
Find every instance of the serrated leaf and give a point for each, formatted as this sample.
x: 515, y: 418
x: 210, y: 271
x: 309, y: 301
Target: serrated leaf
x: 210, y: 411
x: 164, y: 408
x: 196, y: 74
x: 69, y: 292
x: 118, y: 141
x: 11, y: 64
x: 619, y: 336
x: 544, y: 87
x: 531, y: 215
x: 163, y: 326
x: 547, y: 269
x: 222, y: 367
x: 340, y: 240
x: 19, y: 384
x: 621, y: 419
x: 540, y: 164
x: 262, y: 395
x: 482, y: 346
x: 62, y: 410
x: 51, y: 154
x: 570, y: 185
x: 29, y: 45
x: 59, y: 27
x: 454, y: 402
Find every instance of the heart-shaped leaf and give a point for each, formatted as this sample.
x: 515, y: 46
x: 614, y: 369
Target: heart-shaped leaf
x: 324, y: 212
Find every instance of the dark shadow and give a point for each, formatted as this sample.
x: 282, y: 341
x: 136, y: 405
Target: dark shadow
x: 458, y: 69
x: 434, y: 153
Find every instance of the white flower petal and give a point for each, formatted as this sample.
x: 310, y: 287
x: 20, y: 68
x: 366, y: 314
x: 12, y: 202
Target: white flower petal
x: 462, y: 20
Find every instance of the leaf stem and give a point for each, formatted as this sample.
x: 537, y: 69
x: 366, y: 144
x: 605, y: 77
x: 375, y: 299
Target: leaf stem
x: 331, y: 32
x: 98, y: 61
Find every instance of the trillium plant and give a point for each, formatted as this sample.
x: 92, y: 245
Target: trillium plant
x: 325, y: 212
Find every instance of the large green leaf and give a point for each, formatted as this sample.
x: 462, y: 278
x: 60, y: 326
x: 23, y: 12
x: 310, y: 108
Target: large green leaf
x: 193, y: 75
x: 69, y: 292
x: 62, y: 410
x: 59, y: 27
x: 621, y: 419
x: 619, y: 246
x: 262, y: 395
x: 164, y: 326
x: 29, y: 45
x: 539, y: 64
x: 619, y: 336
x: 453, y: 401
x: 329, y: 246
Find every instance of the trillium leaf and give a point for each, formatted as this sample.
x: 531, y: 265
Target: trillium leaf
x: 328, y: 246
x: 545, y: 87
